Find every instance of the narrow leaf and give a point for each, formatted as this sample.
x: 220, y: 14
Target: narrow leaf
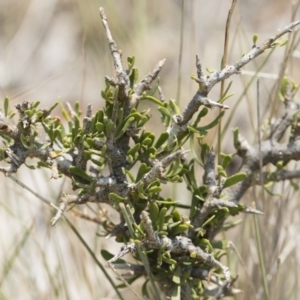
x: 79, y: 172
x: 6, y: 105
x: 234, y: 179
x: 116, y: 197
x: 161, y: 140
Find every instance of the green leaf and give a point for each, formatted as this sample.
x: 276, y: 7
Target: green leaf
x: 99, y: 127
x: 281, y: 42
x: 226, y: 97
x: 6, y: 106
x: 153, y: 214
x: 192, y: 129
x: 39, y: 114
x: 286, y: 84
x: 177, y: 277
x: 79, y: 172
x: 2, y: 154
x: 97, y: 162
x: 77, y: 108
x: 173, y: 225
x: 161, y: 219
x: 169, y: 261
x: 213, y: 123
x: 133, y: 77
x: 124, y: 128
x: 90, y: 142
x: 174, y: 107
x: 203, y: 112
x: 227, y: 90
x: 140, y: 188
x: 142, y: 171
x: 175, y: 169
x: 53, y: 106
x: 181, y: 228
x: 145, y: 292
x: 29, y: 112
x: 147, y: 139
x: 152, y: 99
x: 147, y: 142
x: 130, y: 175
x: 130, y: 61
x: 175, y: 178
x: 161, y: 140
x: 65, y: 114
x: 26, y: 142
x: 205, y: 148
x: 193, y: 150
x: 109, y: 125
x: 154, y: 189
x: 236, y: 138
x: 99, y: 116
x: 221, y: 244
x: 208, y: 221
x: 234, y: 179
x: 116, y: 197
x: 176, y: 215
x: 221, y: 171
x: 226, y: 160
x: 206, y: 245
x: 75, y: 130
x: 164, y: 111
x: 132, y: 151
x: 210, y: 70
x: 254, y: 39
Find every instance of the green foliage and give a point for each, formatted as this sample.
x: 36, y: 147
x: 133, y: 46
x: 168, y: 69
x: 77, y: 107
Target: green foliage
x: 92, y: 141
x: 118, y: 137
x: 288, y: 88
x: 254, y: 39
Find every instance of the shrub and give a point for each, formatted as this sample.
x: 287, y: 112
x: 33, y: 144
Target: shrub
x: 177, y: 253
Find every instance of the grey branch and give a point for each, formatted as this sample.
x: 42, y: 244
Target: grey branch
x: 116, y: 54
x: 134, y: 270
x: 253, y: 53
x: 158, y: 169
x: 179, y: 245
x: 71, y: 199
x: 272, y: 152
x: 209, y: 206
x: 280, y: 126
x: 209, y: 177
x: 277, y: 176
x: 161, y: 94
x: 145, y: 83
x: 206, y: 83
x: 123, y: 251
x: 65, y: 201
x: 203, y: 274
x: 211, y: 202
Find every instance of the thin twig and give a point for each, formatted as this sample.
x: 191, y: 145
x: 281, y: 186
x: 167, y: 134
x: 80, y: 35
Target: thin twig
x: 206, y: 83
x: 117, y: 58
x: 179, y: 245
